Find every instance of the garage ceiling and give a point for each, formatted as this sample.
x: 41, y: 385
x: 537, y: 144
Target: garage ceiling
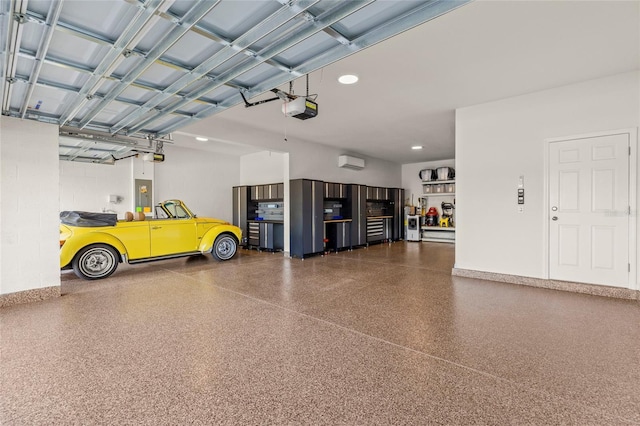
x: 146, y: 68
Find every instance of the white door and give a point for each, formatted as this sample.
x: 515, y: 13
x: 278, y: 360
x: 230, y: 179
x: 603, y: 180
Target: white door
x: 589, y: 210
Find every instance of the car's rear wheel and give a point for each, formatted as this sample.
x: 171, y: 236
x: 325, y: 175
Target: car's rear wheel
x: 224, y: 247
x: 95, y: 261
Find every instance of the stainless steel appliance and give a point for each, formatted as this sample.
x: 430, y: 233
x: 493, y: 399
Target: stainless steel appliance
x: 445, y: 173
x: 427, y: 175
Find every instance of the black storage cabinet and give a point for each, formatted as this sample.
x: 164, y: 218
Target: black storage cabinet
x: 307, y: 225
x: 338, y: 235
x: 240, y: 209
x: 397, y: 200
x: 357, y: 195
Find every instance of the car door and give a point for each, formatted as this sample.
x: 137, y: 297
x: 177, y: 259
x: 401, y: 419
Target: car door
x: 174, y: 235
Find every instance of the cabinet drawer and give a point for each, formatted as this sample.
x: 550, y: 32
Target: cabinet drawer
x: 375, y: 227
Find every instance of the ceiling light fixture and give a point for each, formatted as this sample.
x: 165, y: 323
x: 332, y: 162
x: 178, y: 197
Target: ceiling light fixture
x: 348, y: 79
x: 416, y: 147
x: 201, y: 139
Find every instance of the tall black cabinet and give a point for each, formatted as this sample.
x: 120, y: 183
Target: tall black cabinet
x: 307, y: 227
x: 240, y: 210
x: 397, y: 200
x: 358, y: 198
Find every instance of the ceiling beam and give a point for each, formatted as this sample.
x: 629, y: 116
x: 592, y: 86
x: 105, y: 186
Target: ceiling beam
x: 197, y: 12
x: 13, y: 22
x: 337, y: 13
x: 87, y: 70
x: 422, y: 13
x: 136, y: 29
x: 55, y: 8
x: 72, y: 89
x: 285, y: 14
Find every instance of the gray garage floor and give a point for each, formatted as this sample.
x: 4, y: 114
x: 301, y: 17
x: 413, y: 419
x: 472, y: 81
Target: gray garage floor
x: 383, y: 335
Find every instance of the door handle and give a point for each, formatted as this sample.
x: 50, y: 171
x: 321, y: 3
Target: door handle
x: 156, y: 227
x: 554, y: 218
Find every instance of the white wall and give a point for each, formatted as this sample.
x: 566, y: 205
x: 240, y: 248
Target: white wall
x: 29, y: 234
x: 499, y: 141
x: 307, y: 160
x: 86, y: 186
x: 314, y: 161
x: 412, y: 183
x: 262, y: 167
x: 202, y: 179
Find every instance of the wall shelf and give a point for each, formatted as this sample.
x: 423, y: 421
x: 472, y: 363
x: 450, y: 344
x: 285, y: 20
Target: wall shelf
x: 437, y: 182
x: 437, y: 233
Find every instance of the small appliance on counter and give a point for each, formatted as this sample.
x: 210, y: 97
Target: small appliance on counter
x: 413, y: 228
x: 432, y: 216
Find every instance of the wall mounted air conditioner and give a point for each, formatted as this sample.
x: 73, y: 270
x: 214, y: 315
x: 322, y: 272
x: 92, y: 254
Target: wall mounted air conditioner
x: 349, y: 162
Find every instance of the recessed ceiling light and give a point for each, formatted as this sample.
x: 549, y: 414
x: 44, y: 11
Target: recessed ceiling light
x: 416, y: 147
x: 348, y: 79
x: 201, y: 139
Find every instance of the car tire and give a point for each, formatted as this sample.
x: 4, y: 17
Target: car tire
x: 224, y: 247
x: 95, y: 262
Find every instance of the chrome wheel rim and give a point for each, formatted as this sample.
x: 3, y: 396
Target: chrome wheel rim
x: 97, y: 262
x: 226, y: 248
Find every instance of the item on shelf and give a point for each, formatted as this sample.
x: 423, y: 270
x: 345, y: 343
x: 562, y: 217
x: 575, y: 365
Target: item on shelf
x: 432, y: 216
x: 445, y: 173
x: 450, y: 188
x: 427, y: 175
x: 444, y: 222
x: 447, y: 212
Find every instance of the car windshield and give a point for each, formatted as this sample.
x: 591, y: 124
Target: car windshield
x: 160, y: 213
x: 176, y: 211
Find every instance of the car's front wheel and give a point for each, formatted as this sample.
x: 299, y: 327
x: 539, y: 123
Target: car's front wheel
x: 95, y: 261
x: 224, y: 247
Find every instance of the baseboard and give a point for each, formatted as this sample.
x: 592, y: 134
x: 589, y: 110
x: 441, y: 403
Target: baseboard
x: 596, y: 290
x: 28, y: 296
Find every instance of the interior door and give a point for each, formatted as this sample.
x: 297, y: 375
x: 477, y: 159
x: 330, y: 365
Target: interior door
x: 589, y: 210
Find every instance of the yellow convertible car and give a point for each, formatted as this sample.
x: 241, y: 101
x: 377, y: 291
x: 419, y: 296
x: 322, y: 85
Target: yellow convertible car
x: 92, y: 244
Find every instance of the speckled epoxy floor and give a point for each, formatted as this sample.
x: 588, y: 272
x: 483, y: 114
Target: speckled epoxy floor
x: 383, y: 335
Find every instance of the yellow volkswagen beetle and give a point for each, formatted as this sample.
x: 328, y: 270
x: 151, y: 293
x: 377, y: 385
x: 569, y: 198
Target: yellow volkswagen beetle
x: 93, y: 244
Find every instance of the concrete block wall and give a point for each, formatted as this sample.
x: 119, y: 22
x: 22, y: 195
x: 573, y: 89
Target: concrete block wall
x: 29, y: 212
x: 85, y: 186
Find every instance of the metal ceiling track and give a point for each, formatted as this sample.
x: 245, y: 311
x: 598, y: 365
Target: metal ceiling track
x: 117, y: 145
x: 423, y: 13
x: 11, y: 25
x: 341, y: 11
x: 285, y: 14
x: 205, y: 75
x: 136, y: 29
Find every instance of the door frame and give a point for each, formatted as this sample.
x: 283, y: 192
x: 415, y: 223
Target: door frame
x: 633, y: 282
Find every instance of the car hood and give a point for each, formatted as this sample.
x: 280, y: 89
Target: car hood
x: 210, y: 220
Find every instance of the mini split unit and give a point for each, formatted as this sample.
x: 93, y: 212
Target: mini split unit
x: 349, y: 162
